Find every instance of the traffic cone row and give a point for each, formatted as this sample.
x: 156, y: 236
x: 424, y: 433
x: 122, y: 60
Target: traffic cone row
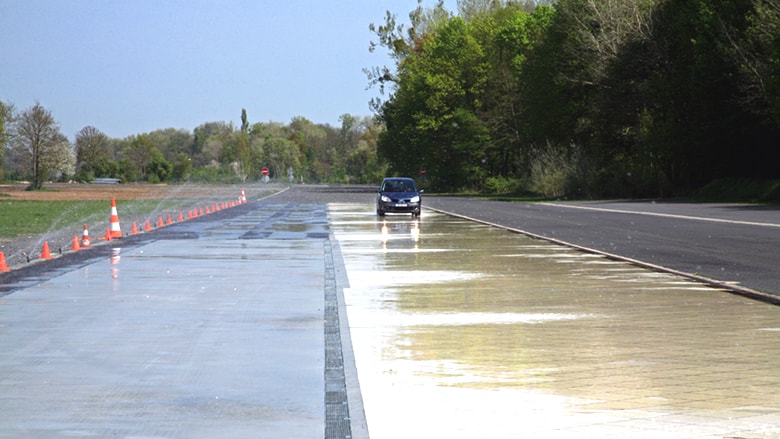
x: 114, y: 231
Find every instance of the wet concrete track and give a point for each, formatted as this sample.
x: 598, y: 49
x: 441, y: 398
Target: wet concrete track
x: 235, y: 325
x: 211, y: 328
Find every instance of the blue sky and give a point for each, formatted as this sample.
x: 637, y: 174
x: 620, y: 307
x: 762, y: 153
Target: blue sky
x: 129, y: 67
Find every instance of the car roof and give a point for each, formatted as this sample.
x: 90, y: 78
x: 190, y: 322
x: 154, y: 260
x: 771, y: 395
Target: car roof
x: 398, y: 179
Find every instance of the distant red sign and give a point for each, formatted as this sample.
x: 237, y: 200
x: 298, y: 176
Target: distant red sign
x: 265, y: 171
x: 423, y: 171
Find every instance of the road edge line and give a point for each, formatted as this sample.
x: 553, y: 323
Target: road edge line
x: 725, y: 286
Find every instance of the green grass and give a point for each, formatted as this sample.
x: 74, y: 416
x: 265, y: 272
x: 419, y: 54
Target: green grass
x: 727, y: 190
x: 521, y: 198
x: 739, y: 190
x: 21, y: 218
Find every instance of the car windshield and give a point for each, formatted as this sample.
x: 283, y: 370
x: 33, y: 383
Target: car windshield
x: 398, y: 186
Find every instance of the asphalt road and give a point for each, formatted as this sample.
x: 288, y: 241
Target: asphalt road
x: 731, y: 243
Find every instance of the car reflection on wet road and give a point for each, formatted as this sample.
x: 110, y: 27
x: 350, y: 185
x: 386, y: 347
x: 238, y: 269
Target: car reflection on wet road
x: 464, y: 330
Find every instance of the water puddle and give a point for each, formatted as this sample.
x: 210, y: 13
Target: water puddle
x: 464, y: 330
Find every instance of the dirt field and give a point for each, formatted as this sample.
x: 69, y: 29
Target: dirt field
x: 20, y: 250
x: 76, y: 191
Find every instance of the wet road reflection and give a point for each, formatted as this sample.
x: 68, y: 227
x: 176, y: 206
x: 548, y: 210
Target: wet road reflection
x: 463, y: 330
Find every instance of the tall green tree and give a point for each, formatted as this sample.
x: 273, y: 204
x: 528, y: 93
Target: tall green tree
x: 171, y: 141
x: 38, y: 139
x: 510, y: 35
x: 757, y: 51
x: 431, y: 117
x: 244, y: 121
x: 6, y: 120
x: 309, y: 137
x: 697, y: 112
x: 139, y: 152
x: 281, y: 155
x: 93, y: 155
x: 157, y: 168
x: 209, y: 140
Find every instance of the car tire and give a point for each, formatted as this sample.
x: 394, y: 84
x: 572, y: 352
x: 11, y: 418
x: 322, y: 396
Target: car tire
x: 380, y: 212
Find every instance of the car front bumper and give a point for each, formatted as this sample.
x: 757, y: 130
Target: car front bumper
x: 400, y: 207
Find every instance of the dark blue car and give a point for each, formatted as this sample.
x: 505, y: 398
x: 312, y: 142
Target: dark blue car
x: 398, y: 195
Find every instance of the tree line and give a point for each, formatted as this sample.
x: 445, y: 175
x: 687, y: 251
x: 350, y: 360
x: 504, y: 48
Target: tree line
x: 582, y: 98
x: 566, y: 98
x: 34, y: 149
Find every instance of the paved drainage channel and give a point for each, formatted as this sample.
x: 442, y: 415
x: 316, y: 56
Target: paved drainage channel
x: 337, y: 418
x: 463, y: 330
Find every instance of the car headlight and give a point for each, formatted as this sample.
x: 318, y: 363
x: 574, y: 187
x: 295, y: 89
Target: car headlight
x: 385, y: 198
x: 415, y: 199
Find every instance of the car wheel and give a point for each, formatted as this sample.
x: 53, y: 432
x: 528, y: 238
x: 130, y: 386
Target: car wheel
x: 380, y: 212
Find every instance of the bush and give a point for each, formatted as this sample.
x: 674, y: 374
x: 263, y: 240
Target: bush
x: 213, y: 174
x: 84, y: 175
x: 502, y: 185
x: 552, y: 168
x: 158, y: 169
x: 739, y: 190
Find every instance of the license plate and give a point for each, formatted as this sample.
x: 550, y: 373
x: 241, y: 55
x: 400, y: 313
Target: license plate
x: 400, y: 204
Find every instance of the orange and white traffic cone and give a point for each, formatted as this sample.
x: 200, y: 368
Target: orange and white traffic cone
x: 85, y: 237
x: 45, y: 253
x: 76, y: 246
x: 108, y: 235
x: 116, y: 233
x: 169, y: 221
x: 181, y: 217
x: 3, y: 265
x: 160, y: 222
x: 134, y: 229
x: 243, y: 197
x: 147, y: 226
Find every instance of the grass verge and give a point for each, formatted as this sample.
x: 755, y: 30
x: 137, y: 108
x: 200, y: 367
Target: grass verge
x: 33, y: 217
x: 739, y: 190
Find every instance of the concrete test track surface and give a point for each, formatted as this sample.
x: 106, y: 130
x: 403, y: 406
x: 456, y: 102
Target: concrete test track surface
x: 235, y: 324
x: 226, y: 325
